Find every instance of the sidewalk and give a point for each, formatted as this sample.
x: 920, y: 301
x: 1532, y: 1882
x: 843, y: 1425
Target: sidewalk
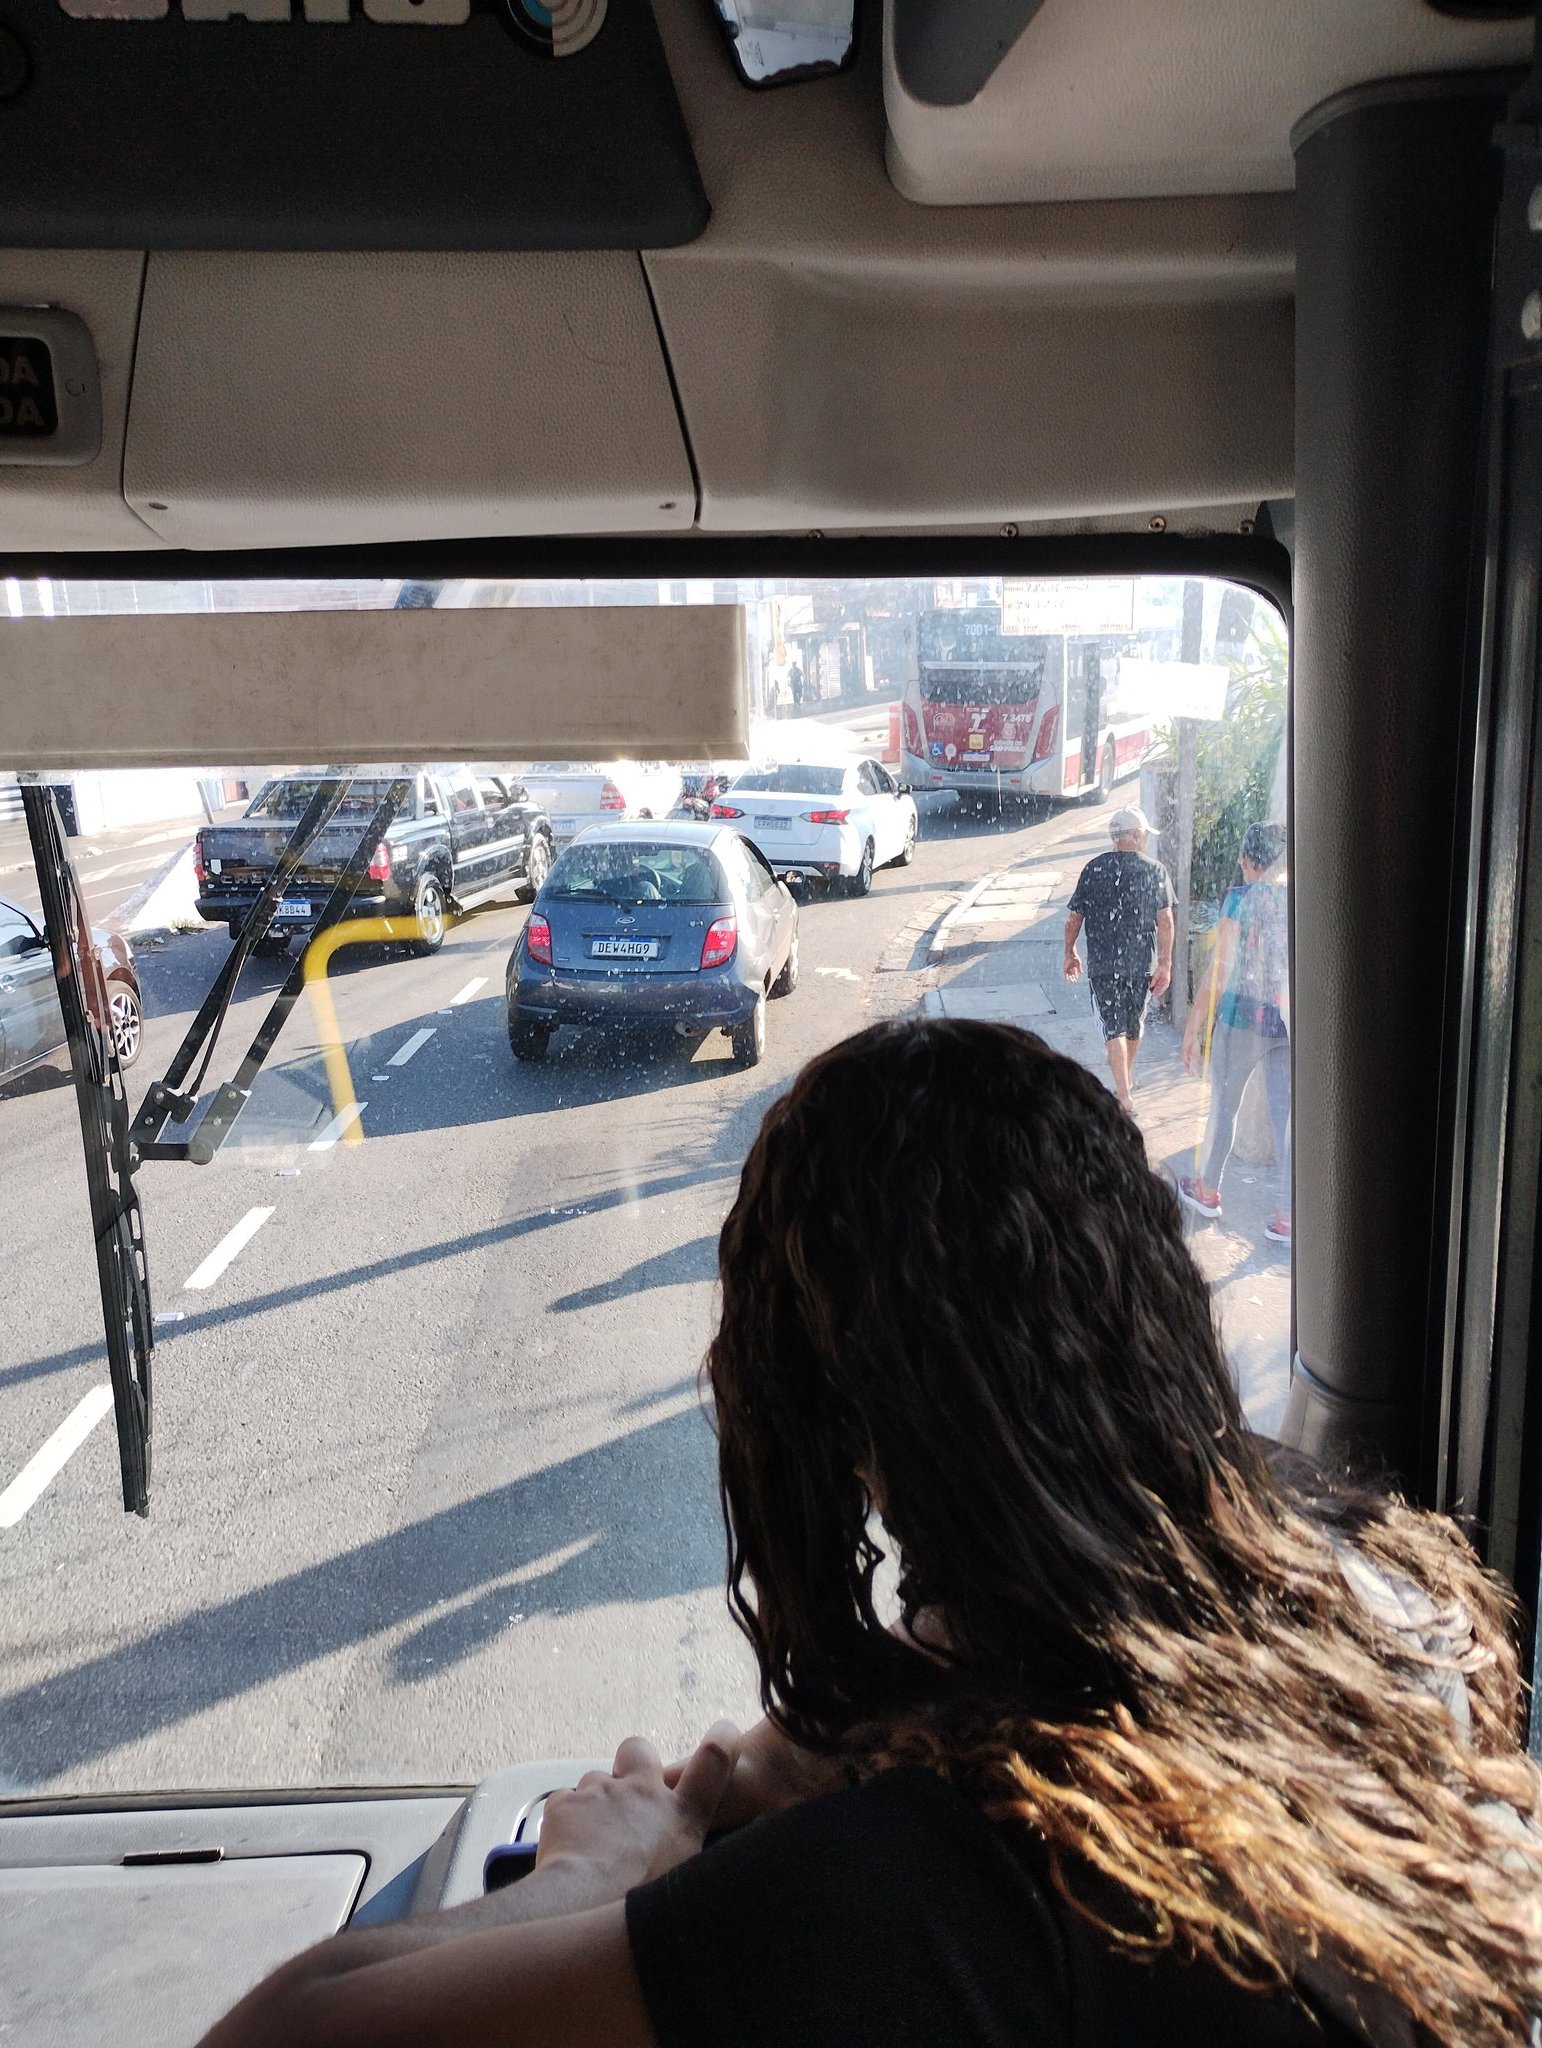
x: 137, y: 879
x: 90, y: 848
x: 997, y: 956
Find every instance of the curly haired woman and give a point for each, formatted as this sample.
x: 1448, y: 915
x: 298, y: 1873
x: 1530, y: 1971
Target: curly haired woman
x: 1170, y: 1742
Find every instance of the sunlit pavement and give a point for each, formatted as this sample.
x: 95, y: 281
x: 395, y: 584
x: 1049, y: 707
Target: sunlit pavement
x: 431, y: 1487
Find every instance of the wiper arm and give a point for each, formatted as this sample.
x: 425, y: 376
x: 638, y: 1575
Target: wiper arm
x: 116, y: 1222
x: 168, y: 1101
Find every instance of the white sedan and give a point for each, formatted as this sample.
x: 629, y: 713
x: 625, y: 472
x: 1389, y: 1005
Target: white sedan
x: 574, y: 794
x: 839, y: 821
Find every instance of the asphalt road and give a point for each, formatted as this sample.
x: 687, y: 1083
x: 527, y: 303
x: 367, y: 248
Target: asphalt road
x: 431, y: 1487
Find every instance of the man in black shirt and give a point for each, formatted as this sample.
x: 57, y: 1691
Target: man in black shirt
x: 1124, y: 902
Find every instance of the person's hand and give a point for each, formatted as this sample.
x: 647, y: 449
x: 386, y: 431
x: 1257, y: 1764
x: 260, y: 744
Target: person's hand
x: 770, y: 1774
x: 1073, y: 967
x: 1190, y: 1052
x: 1161, y: 982
x: 620, y: 1828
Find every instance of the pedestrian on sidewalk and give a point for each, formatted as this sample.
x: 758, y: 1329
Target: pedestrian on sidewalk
x: 1124, y: 903
x: 1246, y: 991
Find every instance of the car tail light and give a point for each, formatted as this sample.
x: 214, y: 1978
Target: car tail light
x: 721, y: 942
x: 826, y: 817
x: 198, y: 860
x: 611, y: 798
x: 914, y: 741
x: 380, y: 865
x: 1044, y: 745
x: 726, y: 811
x: 538, y: 940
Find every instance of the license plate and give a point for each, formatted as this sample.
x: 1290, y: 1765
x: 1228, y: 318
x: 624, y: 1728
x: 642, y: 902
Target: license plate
x: 564, y: 828
x: 772, y: 824
x: 291, y: 907
x: 623, y: 949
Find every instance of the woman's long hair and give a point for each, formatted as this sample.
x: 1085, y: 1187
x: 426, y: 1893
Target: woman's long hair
x: 954, y: 1291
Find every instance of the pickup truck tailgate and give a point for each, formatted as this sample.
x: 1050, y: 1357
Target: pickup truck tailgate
x: 249, y: 853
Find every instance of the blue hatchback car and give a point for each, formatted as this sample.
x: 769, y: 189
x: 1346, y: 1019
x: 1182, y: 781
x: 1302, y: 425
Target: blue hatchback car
x: 675, y: 924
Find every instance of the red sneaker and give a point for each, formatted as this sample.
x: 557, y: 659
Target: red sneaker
x: 1206, y: 1200
x: 1277, y: 1230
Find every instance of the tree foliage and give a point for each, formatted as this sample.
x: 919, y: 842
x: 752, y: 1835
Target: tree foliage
x: 1236, y: 757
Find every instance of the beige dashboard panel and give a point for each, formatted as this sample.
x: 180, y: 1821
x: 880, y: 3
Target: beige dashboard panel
x: 316, y: 399
x: 45, y: 507
x: 847, y: 360
x: 173, y: 689
x: 1119, y: 99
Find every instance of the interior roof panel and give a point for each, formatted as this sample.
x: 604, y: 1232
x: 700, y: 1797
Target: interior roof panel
x: 1120, y: 99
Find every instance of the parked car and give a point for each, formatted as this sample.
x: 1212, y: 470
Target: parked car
x: 463, y: 837
x: 676, y: 924
x: 575, y: 794
x: 31, y: 1022
x: 836, y: 820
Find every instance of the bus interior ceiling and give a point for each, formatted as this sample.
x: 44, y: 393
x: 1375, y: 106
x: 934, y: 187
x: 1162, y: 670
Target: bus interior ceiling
x: 1206, y: 286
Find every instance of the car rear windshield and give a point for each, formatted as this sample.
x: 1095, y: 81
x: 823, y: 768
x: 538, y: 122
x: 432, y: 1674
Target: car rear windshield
x: 636, y: 871
x: 793, y: 778
x: 288, y: 799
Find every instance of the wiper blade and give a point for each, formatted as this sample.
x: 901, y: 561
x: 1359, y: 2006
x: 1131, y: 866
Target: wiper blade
x: 116, y: 1221
x: 168, y: 1100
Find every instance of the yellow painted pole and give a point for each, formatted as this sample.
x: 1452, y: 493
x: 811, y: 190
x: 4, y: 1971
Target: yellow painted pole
x: 355, y: 931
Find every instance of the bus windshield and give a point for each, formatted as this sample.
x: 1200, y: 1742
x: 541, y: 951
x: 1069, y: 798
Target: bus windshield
x: 431, y: 1482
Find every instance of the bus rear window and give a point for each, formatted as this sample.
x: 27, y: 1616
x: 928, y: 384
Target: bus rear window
x: 1017, y: 684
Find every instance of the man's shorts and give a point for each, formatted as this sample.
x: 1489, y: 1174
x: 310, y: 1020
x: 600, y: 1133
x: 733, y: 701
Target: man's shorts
x: 1121, y: 1004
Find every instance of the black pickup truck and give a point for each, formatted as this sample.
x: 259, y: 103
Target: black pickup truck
x: 463, y: 837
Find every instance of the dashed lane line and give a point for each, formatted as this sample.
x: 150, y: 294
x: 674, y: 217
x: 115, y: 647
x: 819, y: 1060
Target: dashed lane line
x: 471, y: 988
x: 414, y: 1044
x: 51, y: 1460
x: 228, y: 1247
x: 340, y: 1123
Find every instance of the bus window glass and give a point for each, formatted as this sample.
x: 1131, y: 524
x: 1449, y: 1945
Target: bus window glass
x: 432, y: 1487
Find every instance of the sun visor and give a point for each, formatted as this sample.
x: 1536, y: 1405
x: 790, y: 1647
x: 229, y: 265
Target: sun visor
x: 595, y: 682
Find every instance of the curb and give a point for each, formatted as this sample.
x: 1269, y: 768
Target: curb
x: 935, y: 950
x: 141, y: 912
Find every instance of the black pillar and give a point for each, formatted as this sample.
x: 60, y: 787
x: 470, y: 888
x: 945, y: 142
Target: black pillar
x: 1397, y: 187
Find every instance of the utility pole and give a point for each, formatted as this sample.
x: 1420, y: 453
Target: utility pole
x: 1183, y: 878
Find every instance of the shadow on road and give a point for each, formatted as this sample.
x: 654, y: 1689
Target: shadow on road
x: 685, y: 1265
x: 580, y: 1533
x: 46, y: 1079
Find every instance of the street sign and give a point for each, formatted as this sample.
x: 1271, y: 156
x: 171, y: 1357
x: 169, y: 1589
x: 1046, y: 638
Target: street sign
x: 1171, y: 689
x: 1067, y: 604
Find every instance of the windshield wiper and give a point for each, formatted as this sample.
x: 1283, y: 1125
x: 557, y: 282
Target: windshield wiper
x: 116, y: 1222
x: 168, y: 1100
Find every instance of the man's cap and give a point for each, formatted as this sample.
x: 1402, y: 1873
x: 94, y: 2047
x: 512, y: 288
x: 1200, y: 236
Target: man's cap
x: 1127, y: 821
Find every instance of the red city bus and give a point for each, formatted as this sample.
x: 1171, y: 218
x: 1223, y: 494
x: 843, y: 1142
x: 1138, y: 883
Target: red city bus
x: 1009, y: 715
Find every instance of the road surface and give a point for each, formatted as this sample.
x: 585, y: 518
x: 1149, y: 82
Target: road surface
x: 431, y: 1490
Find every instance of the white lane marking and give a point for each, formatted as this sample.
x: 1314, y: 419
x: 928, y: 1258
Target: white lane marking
x: 338, y: 1125
x: 101, y: 874
x: 468, y: 991
x: 51, y: 1460
x: 414, y: 1044
x: 233, y: 1242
